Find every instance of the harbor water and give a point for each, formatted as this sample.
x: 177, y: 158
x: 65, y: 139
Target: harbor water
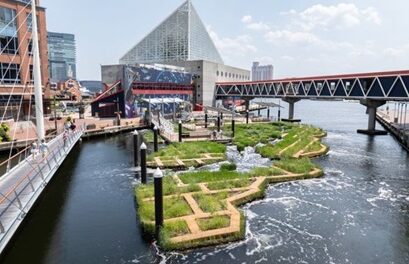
x: 357, y: 213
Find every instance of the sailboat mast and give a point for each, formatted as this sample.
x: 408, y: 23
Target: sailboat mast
x: 37, y: 75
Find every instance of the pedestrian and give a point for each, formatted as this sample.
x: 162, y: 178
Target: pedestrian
x: 73, y: 126
x: 214, y: 134
x: 34, y: 150
x: 43, y: 148
x: 67, y: 125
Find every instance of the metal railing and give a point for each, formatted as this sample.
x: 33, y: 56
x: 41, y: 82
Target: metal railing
x: 20, y: 187
x: 7, y: 165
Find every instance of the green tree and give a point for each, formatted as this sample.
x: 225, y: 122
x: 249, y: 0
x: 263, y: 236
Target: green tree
x: 4, y: 133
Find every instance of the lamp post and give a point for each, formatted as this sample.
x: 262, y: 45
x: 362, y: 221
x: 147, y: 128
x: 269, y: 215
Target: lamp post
x: 158, y: 189
x: 180, y: 130
x: 247, y: 116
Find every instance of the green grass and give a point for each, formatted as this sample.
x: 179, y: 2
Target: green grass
x: 240, y: 183
x: 169, y: 188
x: 303, y: 165
x: 148, y: 136
x: 173, y: 207
x: 265, y: 171
x: 189, y: 150
x: 175, y: 228
x: 215, y: 222
x: 211, y: 203
x: 210, y: 176
x: 300, y: 136
x: 228, y: 167
x: 251, y: 135
x: 224, y: 177
x: 316, y: 146
x: 166, y: 244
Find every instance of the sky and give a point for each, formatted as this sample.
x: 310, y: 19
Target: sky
x: 299, y: 37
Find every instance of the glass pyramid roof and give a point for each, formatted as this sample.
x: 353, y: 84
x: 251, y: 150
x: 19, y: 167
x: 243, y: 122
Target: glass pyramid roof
x: 181, y: 37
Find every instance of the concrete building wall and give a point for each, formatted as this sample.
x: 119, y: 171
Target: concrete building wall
x: 207, y: 74
x: 110, y: 74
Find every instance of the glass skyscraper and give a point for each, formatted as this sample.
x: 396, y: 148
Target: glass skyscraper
x: 62, y: 56
x: 181, y: 37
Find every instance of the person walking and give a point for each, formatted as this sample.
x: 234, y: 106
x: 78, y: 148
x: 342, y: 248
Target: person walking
x: 43, y: 148
x: 34, y: 150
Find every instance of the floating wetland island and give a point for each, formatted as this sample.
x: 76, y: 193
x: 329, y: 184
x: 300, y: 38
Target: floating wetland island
x: 202, y: 207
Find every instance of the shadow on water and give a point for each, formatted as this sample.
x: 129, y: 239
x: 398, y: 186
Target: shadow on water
x: 38, y: 227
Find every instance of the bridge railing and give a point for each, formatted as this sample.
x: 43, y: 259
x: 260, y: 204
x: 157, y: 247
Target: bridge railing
x: 7, y: 165
x: 20, y: 188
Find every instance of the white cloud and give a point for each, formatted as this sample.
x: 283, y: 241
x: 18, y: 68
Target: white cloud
x: 287, y: 58
x: 299, y: 38
x: 286, y: 36
x: 397, y: 51
x: 237, y: 46
x: 342, y: 15
x: 256, y: 26
x: 247, y: 19
x: 259, y: 26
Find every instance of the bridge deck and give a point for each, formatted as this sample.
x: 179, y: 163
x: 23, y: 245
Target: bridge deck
x: 23, y: 184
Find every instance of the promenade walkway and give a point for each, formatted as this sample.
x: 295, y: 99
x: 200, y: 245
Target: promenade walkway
x: 23, y: 184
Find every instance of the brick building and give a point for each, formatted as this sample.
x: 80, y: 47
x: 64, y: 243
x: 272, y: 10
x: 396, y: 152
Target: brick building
x: 16, y: 59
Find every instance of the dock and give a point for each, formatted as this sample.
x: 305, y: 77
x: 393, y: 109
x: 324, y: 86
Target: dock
x: 399, y: 130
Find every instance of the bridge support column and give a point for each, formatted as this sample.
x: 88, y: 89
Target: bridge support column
x: 291, y: 101
x: 372, y: 105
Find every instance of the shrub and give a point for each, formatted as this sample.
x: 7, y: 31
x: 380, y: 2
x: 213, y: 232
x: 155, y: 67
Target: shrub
x: 228, y: 167
x: 4, y: 133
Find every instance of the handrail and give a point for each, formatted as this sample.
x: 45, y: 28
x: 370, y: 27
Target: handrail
x: 14, y: 187
x: 7, y: 160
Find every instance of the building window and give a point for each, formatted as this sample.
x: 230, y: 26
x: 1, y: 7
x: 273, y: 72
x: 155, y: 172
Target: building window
x: 10, y: 73
x: 31, y: 74
x: 222, y: 74
x: 30, y: 47
x: 9, y: 45
x: 29, y: 22
x: 7, y: 16
x: 217, y: 73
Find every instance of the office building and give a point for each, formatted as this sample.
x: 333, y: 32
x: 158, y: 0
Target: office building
x: 261, y: 72
x: 62, y: 56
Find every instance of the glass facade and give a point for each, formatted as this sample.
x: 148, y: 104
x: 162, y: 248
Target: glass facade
x: 62, y: 56
x: 181, y: 37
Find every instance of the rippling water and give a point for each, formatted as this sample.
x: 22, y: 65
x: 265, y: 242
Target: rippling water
x: 357, y: 213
